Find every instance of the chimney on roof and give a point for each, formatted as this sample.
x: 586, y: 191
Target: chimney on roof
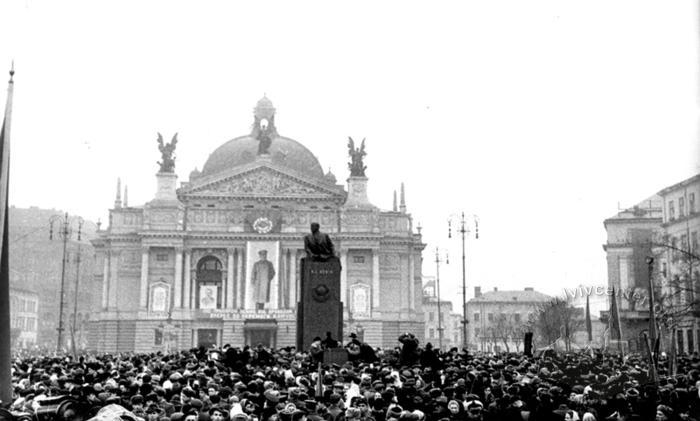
x: 495, y: 289
x: 477, y: 292
x: 529, y: 289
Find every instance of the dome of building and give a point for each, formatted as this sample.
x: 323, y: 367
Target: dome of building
x: 283, y: 151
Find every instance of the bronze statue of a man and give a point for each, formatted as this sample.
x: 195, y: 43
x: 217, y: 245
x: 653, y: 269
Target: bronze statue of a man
x: 318, y: 245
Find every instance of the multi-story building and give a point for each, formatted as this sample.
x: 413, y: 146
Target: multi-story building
x: 678, y: 258
x: 664, y: 227
x: 444, y: 320
x: 179, y: 271
x: 36, y: 256
x: 630, y: 236
x: 24, y: 315
x: 498, y: 318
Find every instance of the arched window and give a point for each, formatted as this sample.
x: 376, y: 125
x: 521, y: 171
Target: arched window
x: 209, y: 282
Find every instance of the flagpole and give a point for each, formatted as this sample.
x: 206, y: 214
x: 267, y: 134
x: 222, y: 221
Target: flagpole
x: 5, y: 350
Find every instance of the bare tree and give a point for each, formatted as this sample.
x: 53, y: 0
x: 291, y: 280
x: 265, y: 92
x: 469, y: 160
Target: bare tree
x: 555, y: 319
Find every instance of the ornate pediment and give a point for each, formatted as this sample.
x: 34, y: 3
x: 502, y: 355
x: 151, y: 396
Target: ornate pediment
x: 261, y: 182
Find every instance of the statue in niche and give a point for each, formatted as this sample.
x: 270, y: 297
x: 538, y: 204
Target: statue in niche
x: 356, y: 166
x: 264, y: 131
x: 166, y: 151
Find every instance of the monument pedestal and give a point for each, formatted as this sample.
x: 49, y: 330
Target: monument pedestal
x: 319, y: 309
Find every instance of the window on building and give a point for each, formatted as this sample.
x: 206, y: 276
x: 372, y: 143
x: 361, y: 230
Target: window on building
x: 431, y: 333
x: 516, y: 317
x: 681, y: 207
x: 680, y: 341
x: 158, y: 339
x: 477, y: 332
x: 694, y: 242
x: 162, y: 257
x: 674, y: 248
x: 691, y: 342
x: 671, y: 211
x: 358, y: 259
x: 684, y: 242
x: 489, y: 317
x: 431, y: 316
x: 691, y: 203
x: 476, y: 317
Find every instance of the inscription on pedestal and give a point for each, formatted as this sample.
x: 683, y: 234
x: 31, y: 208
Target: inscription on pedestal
x: 320, y: 309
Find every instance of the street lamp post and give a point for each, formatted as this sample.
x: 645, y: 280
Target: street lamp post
x: 438, y: 260
x: 64, y: 232
x: 464, y: 230
x: 75, y: 296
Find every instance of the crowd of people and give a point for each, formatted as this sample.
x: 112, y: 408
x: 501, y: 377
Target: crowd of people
x: 407, y: 383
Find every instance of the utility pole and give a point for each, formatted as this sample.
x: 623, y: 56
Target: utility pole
x: 75, y: 298
x: 652, y: 322
x: 64, y: 232
x: 464, y: 231
x: 437, y: 286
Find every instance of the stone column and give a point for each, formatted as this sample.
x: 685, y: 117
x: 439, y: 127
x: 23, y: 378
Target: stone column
x: 143, y: 301
x: 293, y: 279
x: 187, y: 287
x: 411, y: 281
x: 177, y: 285
x: 229, y: 279
x: 344, y: 276
x: 241, y: 278
x: 113, y: 297
x: 375, y: 278
x: 105, y: 282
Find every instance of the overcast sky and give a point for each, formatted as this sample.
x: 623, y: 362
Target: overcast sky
x: 538, y: 116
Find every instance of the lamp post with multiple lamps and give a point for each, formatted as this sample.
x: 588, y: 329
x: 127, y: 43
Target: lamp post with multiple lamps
x: 65, y: 232
x: 439, y: 260
x: 464, y: 230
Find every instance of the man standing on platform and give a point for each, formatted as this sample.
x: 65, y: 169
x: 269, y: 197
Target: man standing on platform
x: 263, y: 272
x: 318, y: 245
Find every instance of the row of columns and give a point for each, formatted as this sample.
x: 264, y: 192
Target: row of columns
x: 234, y: 283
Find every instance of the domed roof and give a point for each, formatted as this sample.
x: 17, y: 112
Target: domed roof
x: 282, y: 151
x: 244, y: 150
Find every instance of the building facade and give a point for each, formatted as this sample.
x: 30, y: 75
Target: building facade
x: 630, y: 234
x: 217, y: 260
x: 679, y: 262
x: 446, y: 320
x: 498, y: 319
x: 664, y: 227
x: 24, y: 317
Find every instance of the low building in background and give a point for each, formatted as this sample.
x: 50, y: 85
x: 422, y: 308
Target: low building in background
x: 24, y: 316
x: 498, y: 319
x: 451, y: 336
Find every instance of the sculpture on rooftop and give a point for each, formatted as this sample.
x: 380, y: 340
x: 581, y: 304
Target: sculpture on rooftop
x: 167, y: 151
x: 356, y: 166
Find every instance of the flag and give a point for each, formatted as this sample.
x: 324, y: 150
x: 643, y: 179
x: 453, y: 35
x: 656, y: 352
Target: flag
x: 5, y: 354
x: 589, y: 327
x: 615, y: 328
